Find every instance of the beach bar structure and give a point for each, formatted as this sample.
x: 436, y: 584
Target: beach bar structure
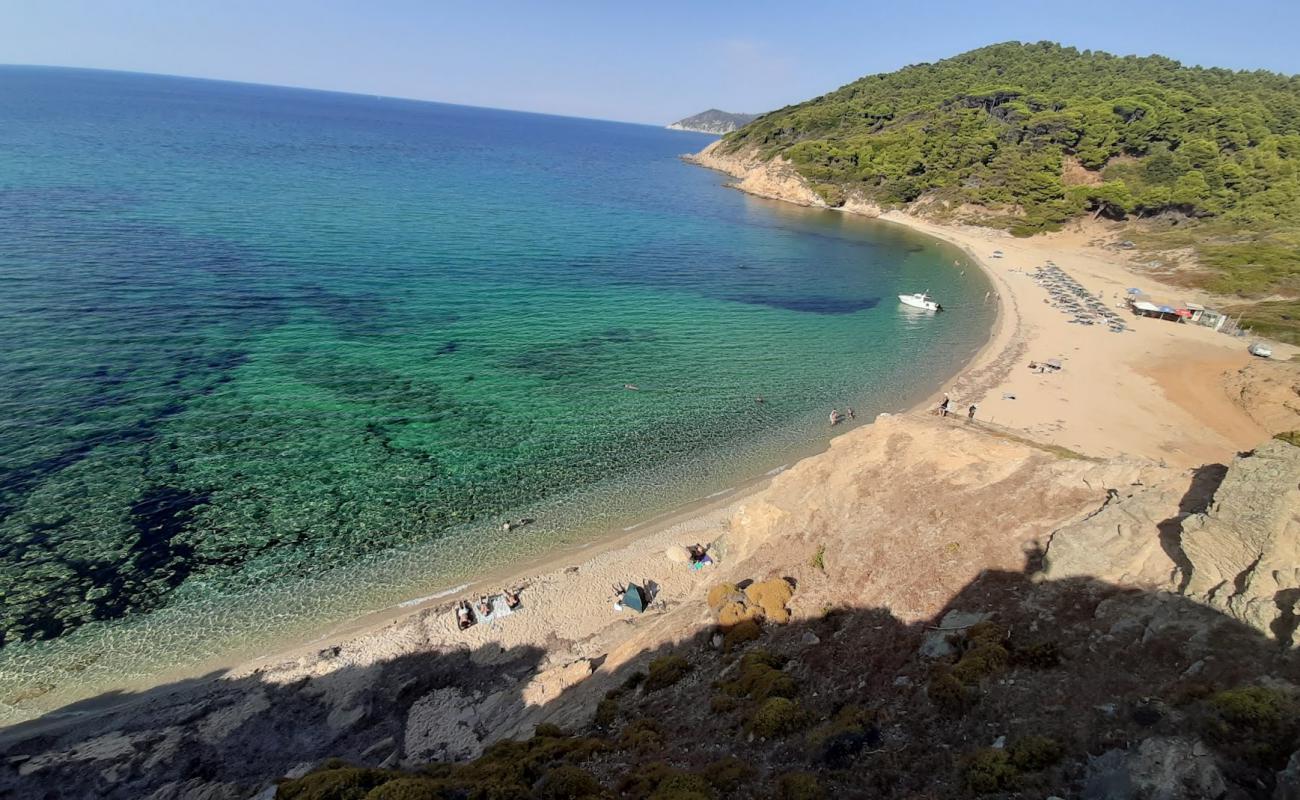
x: 1194, y: 313
x: 1205, y: 316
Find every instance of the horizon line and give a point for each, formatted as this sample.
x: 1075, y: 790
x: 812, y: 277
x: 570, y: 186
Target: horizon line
x: 333, y: 91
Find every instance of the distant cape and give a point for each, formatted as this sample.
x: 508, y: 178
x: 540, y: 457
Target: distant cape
x: 713, y: 121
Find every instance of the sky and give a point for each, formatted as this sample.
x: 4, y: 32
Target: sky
x: 651, y: 62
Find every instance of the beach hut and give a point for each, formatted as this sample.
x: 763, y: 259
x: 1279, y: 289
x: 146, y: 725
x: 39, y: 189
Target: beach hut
x: 634, y: 598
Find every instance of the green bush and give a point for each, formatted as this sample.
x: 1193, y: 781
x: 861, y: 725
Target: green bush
x: 760, y: 677
x: 410, y: 789
x: 338, y: 783
x: 1034, y: 753
x: 683, y: 786
x: 728, y: 774
x: 666, y: 671
x: 567, y: 783
x: 641, y: 736
x: 1256, y: 724
x: 606, y: 713
x: 949, y: 694
x: 723, y: 703
x: 799, y: 786
x: 743, y: 632
x: 989, y: 770
x: 980, y: 662
x: 778, y: 716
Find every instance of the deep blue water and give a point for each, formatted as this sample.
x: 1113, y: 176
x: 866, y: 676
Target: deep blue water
x: 266, y: 347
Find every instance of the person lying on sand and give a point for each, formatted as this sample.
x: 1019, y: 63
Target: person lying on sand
x: 464, y: 618
x: 484, y: 605
x: 512, y: 598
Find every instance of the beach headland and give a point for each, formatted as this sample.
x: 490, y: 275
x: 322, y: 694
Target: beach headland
x: 1126, y: 410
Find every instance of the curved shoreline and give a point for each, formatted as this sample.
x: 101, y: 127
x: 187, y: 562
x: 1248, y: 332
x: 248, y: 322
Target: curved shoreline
x: 568, y: 588
x: 704, y: 511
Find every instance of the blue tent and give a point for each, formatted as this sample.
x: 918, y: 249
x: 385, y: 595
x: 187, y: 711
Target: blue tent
x: 634, y: 597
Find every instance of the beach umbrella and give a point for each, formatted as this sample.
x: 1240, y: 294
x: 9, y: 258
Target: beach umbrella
x: 634, y: 598
x: 1134, y: 291
x: 1167, y: 310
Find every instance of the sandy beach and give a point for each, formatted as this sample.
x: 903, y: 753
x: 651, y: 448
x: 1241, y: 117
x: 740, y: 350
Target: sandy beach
x: 1158, y: 393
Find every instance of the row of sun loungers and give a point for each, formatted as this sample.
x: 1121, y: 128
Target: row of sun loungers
x: 1067, y: 295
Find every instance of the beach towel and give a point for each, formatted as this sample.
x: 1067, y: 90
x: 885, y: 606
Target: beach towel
x: 499, y: 609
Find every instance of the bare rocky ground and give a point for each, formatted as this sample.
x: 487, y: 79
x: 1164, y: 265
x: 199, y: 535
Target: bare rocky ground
x: 971, y: 614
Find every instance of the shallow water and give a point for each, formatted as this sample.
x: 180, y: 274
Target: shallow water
x: 275, y: 357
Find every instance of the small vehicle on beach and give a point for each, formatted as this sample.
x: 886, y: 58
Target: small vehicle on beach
x: 1260, y: 349
x: 919, y: 300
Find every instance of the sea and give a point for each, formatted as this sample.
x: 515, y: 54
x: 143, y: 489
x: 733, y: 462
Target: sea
x: 273, y: 358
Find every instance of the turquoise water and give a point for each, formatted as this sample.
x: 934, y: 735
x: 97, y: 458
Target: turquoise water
x: 274, y: 357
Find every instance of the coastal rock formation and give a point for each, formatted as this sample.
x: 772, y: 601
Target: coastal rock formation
x: 1226, y: 537
x: 1122, y: 542
x: 1244, y: 551
x: 775, y: 179
x: 1159, y: 769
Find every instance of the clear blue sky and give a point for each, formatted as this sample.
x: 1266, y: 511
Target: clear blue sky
x: 650, y: 61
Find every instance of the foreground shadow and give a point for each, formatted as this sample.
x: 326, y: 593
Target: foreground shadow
x: 1019, y: 687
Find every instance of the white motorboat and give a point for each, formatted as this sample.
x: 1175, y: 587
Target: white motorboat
x: 919, y: 300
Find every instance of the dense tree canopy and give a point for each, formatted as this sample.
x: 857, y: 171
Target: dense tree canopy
x: 1039, y: 133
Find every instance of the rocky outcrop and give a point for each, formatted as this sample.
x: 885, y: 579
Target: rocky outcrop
x: 1158, y: 769
x: 1239, y: 553
x: 1244, y: 551
x: 776, y: 179
x: 1121, y: 543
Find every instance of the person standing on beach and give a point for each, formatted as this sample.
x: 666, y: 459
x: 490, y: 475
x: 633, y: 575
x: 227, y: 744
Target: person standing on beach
x: 970, y: 412
x: 835, y: 416
x: 943, y: 407
x: 850, y: 412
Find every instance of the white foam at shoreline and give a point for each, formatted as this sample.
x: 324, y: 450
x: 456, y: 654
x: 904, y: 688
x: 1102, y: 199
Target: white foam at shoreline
x: 418, y: 600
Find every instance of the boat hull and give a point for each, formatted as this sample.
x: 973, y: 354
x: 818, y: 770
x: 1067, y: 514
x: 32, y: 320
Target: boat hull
x: 916, y: 301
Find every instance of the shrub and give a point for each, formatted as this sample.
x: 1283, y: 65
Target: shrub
x: 771, y: 596
x: 410, y: 788
x: 337, y: 783
x: 1254, y: 723
x: 747, y: 630
x: 949, y: 694
x: 734, y: 612
x: 721, y: 594
x: 606, y: 713
x: 641, y: 736
x: 1290, y: 437
x: 548, y: 731
x: 727, y: 774
x: 722, y: 703
x: 760, y: 678
x: 665, y: 671
x: 818, y: 560
x: 777, y: 716
x: 979, y: 662
x: 566, y: 783
x: 631, y: 682
x: 1034, y: 753
x: 1040, y: 655
x: 658, y: 781
x: 986, y: 633
x: 844, y: 735
x: 989, y: 770
x: 683, y: 786
x: 799, y: 786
